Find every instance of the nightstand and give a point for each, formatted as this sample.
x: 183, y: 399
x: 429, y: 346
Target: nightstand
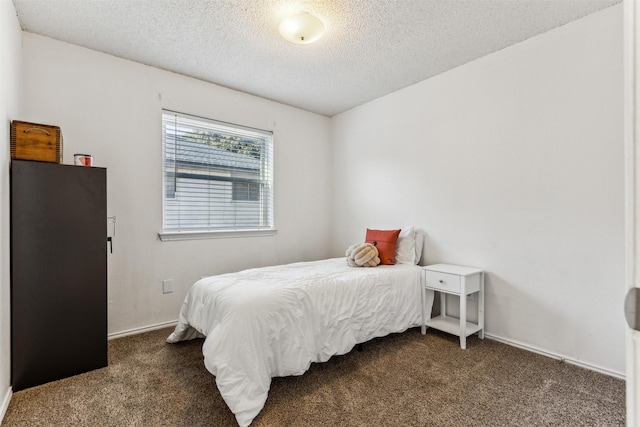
x: 460, y: 281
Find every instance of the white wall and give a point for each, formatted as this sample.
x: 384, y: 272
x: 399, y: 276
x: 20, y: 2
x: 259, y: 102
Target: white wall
x: 10, y: 108
x: 111, y: 108
x: 513, y: 163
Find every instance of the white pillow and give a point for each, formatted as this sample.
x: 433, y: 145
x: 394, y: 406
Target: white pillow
x: 419, y: 244
x: 406, y: 249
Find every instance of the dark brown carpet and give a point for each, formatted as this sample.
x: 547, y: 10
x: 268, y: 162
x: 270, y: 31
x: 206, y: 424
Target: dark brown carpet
x: 404, y: 379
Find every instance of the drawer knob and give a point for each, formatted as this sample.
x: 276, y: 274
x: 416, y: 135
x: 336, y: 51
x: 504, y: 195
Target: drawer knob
x: 441, y: 281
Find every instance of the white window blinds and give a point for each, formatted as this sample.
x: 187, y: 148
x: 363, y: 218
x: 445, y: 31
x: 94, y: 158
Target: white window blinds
x: 217, y: 176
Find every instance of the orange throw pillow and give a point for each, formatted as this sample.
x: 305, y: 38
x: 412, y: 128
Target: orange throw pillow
x: 385, y: 242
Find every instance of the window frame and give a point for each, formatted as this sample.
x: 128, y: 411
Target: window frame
x: 265, y: 212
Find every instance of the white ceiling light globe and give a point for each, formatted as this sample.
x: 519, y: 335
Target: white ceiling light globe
x: 302, y: 28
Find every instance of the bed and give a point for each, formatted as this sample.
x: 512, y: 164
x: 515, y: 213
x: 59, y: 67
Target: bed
x: 275, y: 321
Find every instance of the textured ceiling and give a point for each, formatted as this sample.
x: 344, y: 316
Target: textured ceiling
x: 371, y: 47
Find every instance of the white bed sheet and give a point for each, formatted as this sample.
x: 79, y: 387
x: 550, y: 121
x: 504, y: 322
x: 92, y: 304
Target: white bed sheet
x: 275, y: 321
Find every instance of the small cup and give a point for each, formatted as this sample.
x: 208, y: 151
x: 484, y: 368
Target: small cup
x: 83, y: 159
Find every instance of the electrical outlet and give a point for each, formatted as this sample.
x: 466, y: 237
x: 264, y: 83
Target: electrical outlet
x: 167, y: 286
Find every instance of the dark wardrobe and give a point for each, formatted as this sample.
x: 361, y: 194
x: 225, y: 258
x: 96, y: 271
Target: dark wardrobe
x: 58, y: 271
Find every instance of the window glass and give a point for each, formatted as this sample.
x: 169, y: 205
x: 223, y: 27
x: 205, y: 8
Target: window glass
x: 217, y: 176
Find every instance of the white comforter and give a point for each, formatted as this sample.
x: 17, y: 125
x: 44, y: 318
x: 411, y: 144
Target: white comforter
x: 275, y: 321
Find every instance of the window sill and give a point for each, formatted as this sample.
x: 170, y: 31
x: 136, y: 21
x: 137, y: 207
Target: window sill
x: 166, y: 236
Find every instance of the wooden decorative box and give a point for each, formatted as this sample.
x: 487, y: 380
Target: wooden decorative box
x: 33, y: 141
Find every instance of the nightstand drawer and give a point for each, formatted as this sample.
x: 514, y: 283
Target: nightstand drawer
x: 442, y: 281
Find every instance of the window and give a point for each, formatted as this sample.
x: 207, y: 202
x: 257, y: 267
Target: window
x: 217, y: 176
x: 246, y: 192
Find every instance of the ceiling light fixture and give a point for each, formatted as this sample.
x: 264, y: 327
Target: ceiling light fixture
x: 302, y: 28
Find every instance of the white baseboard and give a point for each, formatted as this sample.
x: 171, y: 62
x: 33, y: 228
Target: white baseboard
x: 142, y: 329
x: 556, y: 356
x: 5, y: 403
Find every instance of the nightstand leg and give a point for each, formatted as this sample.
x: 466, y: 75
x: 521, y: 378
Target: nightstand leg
x: 481, y: 307
x: 423, y: 309
x: 463, y: 315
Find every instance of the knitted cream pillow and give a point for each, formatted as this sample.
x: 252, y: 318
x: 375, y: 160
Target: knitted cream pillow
x: 362, y: 255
